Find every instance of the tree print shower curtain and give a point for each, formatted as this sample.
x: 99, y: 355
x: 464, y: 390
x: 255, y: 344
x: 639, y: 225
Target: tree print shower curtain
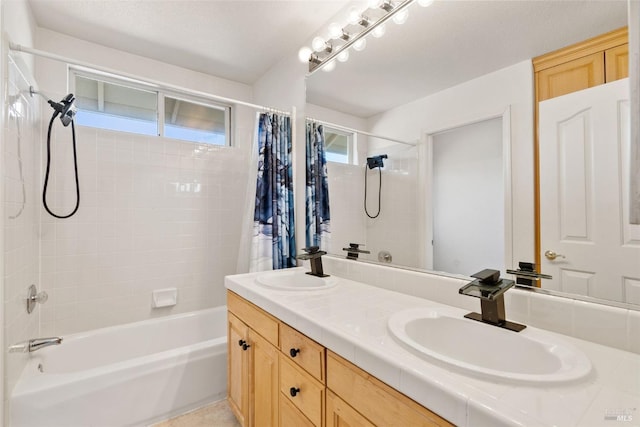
x: 273, y: 220
x: 318, y: 230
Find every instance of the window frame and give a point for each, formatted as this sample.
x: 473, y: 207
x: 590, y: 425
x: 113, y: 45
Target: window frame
x: 160, y: 92
x: 351, y: 143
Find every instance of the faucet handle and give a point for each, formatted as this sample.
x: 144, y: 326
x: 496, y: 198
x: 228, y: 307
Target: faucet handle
x: 488, y: 276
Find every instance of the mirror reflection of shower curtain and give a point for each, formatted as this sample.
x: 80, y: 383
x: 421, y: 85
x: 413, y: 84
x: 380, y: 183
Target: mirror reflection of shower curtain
x: 273, y: 244
x: 318, y: 229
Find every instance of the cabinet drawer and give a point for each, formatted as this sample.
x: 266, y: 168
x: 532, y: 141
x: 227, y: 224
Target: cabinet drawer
x: 290, y: 416
x: 309, y: 393
x: 379, y: 403
x: 254, y: 317
x: 303, y: 351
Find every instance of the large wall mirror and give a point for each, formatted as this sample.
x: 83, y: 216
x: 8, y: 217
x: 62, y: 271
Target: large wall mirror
x: 449, y: 98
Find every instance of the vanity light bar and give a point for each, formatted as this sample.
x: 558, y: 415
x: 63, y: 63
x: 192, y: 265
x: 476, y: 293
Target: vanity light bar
x: 334, y: 47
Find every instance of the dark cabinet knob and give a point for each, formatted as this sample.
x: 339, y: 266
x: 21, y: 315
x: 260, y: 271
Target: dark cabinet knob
x: 294, y: 352
x: 293, y: 391
x: 242, y: 342
x: 245, y: 346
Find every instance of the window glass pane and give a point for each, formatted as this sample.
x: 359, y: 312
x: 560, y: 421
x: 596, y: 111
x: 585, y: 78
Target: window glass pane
x: 112, y: 106
x: 194, y: 122
x: 336, y: 146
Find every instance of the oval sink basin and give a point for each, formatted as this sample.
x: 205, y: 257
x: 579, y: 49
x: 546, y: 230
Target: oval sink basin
x: 296, y: 280
x: 443, y: 335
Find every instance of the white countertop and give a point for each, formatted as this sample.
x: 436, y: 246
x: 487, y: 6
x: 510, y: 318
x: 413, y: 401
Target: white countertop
x: 350, y: 319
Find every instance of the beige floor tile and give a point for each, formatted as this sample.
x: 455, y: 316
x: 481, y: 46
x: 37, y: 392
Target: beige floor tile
x: 215, y: 415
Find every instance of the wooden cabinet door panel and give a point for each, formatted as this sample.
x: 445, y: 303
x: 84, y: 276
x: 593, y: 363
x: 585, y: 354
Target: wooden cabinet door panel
x: 290, y: 416
x: 237, y: 372
x: 340, y: 414
x: 264, y: 382
x: 571, y: 76
x: 617, y: 63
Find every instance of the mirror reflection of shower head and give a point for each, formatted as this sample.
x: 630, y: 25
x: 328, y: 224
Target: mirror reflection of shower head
x: 376, y: 161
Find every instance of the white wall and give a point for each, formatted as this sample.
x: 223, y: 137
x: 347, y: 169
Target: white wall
x: 18, y: 268
x: 468, y: 198
x: 154, y: 213
x: 283, y: 87
x: 478, y: 99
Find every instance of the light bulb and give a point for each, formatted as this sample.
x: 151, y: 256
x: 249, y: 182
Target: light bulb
x: 360, y: 44
x: 425, y: 3
x: 318, y: 44
x: 401, y: 17
x: 343, y: 56
x: 354, y: 16
x: 304, y: 54
x: 335, y: 31
x: 329, y: 66
x: 379, y: 31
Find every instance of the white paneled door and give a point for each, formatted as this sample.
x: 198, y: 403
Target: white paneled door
x: 587, y: 243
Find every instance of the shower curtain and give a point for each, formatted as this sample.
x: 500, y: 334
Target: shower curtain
x: 274, y: 244
x: 318, y: 231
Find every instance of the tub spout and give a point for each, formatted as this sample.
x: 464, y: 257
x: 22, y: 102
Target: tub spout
x: 34, y: 344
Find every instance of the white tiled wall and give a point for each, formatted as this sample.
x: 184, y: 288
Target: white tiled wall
x: 154, y: 213
x: 394, y: 230
x: 20, y: 148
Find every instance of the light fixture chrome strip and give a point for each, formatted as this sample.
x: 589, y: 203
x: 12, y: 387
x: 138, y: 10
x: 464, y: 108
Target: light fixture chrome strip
x: 316, y: 63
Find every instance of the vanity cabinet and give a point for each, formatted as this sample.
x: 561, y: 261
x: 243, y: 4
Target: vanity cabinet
x: 279, y: 376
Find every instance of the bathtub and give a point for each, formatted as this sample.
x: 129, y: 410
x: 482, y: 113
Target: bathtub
x: 129, y: 375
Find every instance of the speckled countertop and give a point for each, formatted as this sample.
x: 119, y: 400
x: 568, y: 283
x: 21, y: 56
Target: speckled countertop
x: 351, y: 320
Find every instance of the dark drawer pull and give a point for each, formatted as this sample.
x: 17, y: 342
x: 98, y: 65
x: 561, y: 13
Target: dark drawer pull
x: 293, y: 391
x: 294, y: 352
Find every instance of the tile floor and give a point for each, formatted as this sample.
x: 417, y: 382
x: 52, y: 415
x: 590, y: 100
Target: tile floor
x: 217, y: 414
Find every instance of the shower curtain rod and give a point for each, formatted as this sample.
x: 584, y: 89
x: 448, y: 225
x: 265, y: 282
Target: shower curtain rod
x: 60, y: 58
x: 361, y: 132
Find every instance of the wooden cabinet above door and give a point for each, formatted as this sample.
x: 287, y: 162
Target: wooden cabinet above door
x: 583, y: 65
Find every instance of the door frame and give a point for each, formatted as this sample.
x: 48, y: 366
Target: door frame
x: 425, y: 189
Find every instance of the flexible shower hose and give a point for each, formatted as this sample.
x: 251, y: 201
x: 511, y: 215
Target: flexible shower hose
x: 75, y: 167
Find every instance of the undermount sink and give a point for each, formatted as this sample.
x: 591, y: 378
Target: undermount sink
x: 295, y: 280
x: 443, y: 335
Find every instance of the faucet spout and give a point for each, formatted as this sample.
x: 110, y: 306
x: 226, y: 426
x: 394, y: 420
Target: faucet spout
x: 490, y: 289
x: 34, y: 344
x: 314, y: 255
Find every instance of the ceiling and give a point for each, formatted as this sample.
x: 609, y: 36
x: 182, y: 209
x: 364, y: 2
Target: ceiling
x: 440, y: 46
x: 451, y: 42
x: 233, y: 39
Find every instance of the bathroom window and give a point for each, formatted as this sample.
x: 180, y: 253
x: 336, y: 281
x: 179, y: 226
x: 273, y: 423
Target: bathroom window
x: 339, y: 145
x: 109, y: 102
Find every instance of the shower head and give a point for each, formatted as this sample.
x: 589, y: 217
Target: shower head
x: 66, y: 108
x: 376, y: 161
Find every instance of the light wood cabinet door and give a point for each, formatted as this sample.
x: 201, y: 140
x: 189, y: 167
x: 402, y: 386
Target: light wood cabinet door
x: 375, y: 400
x: 264, y: 381
x: 340, y: 414
x: 290, y: 416
x: 571, y: 76
x: 238, y: 369
x: 616, y: 63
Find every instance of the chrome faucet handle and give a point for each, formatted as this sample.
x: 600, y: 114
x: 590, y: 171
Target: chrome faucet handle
x: 34, y: 297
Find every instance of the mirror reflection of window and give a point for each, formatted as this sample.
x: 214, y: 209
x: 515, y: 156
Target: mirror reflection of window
x: 339, y: 146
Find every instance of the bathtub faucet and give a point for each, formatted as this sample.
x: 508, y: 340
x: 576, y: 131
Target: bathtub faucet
x: 34, y: 344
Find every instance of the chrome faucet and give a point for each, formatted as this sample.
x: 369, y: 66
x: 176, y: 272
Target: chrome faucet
x: 314, y: 255
x: 490, y: 288
x: 34, y: 344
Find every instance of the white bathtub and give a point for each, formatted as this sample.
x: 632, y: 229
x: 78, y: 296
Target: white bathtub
x: 129, y: 375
